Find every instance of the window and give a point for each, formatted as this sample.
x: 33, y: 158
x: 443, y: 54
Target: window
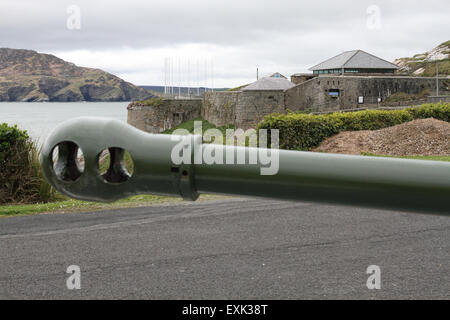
x: 334, y: 93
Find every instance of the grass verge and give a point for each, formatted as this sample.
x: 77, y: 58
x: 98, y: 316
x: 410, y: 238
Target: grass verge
x: 70, y: 205
x: 435, y: 158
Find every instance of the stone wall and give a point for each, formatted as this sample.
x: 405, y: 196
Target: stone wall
x: 253, y: 106
x: 244, y: 109
x: 164, y: 115
x: 219, y: 107
x: 314, y: 95
x: 302, y: 77
x: 435, y: 99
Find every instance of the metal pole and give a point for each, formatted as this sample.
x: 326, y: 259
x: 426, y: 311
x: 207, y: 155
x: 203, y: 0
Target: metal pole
x: 437, y: 79
x: 198, y: 79
x: 179, y: 78
x: 165, y: 77
x: 212, y: 74
x: 388, y: 183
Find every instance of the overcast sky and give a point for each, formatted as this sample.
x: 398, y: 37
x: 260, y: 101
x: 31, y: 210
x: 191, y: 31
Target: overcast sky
x: 131, y: 39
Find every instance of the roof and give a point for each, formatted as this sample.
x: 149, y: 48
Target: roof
x: 356, y: 59
x: 277, y: 75
x: 269, y: 83
x: 303, y: 75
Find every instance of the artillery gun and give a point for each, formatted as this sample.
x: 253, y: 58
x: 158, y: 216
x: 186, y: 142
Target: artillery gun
x: 388, y: 183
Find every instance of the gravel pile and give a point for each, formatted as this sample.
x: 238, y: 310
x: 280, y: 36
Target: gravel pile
x: 418, y: 137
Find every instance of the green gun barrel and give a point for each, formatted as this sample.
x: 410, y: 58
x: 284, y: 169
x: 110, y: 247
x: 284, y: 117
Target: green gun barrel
x: 398, y: 184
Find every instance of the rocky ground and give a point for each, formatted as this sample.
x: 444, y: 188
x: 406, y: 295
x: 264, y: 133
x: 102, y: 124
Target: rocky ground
x: 418, y: 137
x: 424, y: 64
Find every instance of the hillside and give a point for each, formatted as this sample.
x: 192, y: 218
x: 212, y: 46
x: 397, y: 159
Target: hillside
x: 26, y: 75
x: 424, y: 64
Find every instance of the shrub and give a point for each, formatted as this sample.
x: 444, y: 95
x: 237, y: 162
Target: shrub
x: 405, y: 97
x: 440, y: 111
x: 307, y: 131
x: 21, y: 178
x: 10, y: 136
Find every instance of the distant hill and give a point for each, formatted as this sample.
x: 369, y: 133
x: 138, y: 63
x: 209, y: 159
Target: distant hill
x: 26, y: 75
x: 424, y: 64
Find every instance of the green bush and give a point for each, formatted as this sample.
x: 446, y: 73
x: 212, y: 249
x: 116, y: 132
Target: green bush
x: 404, y: 97
x: 21, y: 178
x: 440, y: 111
x: 307, y: 131
x: 9, y: 137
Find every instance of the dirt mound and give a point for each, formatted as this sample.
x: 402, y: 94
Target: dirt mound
x: 418, y: 137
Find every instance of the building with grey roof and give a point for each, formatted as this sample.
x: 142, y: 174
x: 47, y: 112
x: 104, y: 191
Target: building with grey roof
x: 277, y: 75
x: 350, y: 81
x: 269, y: 83
x: 354, y: 62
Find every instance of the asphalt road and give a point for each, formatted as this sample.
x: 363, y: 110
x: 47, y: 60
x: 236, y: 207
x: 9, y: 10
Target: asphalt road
x: 226, y: 249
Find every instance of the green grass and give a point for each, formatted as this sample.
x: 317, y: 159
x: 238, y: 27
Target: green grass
x: 401, y: 96
x: 238, y: 88
x: 189, y: 126
x: 430, y: 68
x: 435, y: 158
x: 70, y: 205
x: 152, y: 102
x: 105, y: 163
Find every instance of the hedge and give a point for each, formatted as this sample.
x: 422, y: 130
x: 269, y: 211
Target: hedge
x: 300, y: 131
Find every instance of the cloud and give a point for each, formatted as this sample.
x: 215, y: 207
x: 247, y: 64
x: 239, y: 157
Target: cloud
x: 131, y: 38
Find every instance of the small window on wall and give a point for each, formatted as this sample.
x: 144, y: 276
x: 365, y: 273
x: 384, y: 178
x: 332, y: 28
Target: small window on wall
x: 334, y: 93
